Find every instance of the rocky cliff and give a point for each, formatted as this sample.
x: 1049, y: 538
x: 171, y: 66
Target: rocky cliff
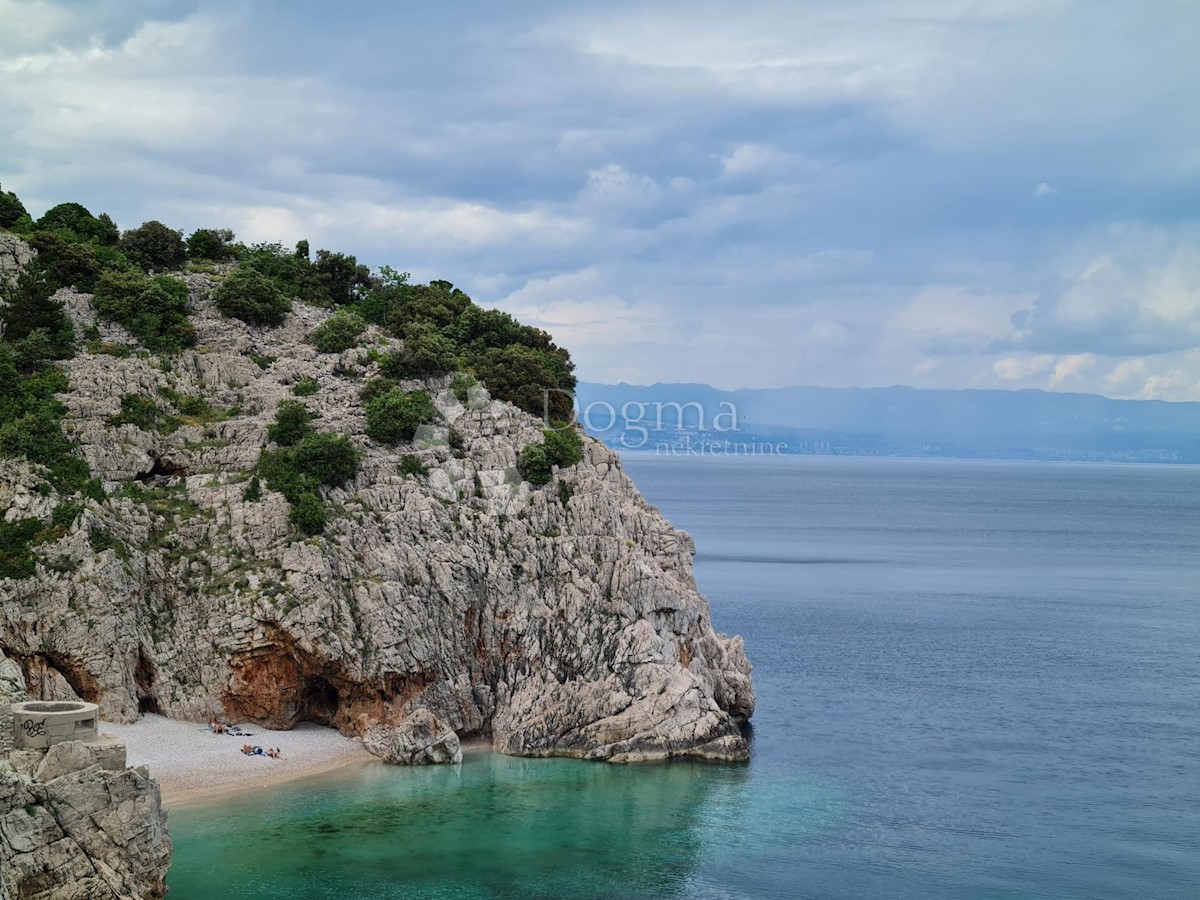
x: 557, y: 620
x: 75, y: 823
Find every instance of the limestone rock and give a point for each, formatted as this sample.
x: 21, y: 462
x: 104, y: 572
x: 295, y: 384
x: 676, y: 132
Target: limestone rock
x: 14, y: 255
x: 420, y: 738
x: 552, y: 621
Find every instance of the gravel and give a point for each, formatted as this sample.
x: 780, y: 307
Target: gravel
x: 190, y: 763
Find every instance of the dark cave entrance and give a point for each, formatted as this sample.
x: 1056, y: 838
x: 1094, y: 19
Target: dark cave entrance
x: 319, y: 700
x: 143, y: 680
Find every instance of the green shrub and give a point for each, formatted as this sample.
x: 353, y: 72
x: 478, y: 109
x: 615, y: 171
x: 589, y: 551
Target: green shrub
x: 30, y: 311
x: 139, y: 410
x: 565, y: 492
x: 376, y: 387
x: 12, y: 210
x: 564, y: 446
x: 212, y: 244
x: 395, y: 416
x: 337, y: 333
x: 291, y: 273
x: 455, y: 440
x: 308, y: 514
x: 262, y: 360
x: 329, y: 459
x: 461, y: 386
x: 155, y: 247
x: 298, y: 473
x: 68, y: 263
x: 425, y: 352
x: 79, y: 223
x: 341, y: 276
x: 153, y: 310
x: 305, y: 387
x: 291, y: 423
x: 410, y: 465
x: 253, y: 491
x: 16, y: 560
x: 65, y: 514
x: 537, y: 381
x: 534, y: 466
x: 252, y: 297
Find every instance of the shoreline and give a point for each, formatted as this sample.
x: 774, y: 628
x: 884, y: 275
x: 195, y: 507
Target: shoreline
x: 193, y: 766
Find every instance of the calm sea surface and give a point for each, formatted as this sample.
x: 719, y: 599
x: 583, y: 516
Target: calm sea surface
x: 975, y: 680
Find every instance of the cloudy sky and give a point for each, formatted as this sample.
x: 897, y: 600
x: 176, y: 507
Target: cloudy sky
x: 942, y: 193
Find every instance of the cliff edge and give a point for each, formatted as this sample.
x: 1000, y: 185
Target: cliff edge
x: 556, y: 619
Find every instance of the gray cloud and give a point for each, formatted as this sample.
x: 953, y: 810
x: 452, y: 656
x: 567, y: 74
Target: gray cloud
x: 824, y: 191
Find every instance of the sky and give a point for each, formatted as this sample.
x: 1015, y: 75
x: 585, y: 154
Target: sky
x: 960, y: 193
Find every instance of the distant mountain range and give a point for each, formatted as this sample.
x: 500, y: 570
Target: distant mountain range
x: 689, y: 419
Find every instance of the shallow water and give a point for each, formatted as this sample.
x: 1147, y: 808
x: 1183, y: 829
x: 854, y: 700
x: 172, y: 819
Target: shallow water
x: 975, y: 680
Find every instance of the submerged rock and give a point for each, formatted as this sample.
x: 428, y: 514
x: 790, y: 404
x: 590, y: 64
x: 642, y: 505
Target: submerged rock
x: 420, y: 738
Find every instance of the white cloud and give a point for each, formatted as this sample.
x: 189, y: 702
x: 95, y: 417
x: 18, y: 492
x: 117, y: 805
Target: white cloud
x: 1070, y: 368
x: 1020, y: 369
x: 1044, y: 190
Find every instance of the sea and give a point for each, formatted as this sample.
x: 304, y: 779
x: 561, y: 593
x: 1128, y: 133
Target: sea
x: 975, y: 680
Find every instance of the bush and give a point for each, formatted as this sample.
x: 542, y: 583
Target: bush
x: 298, y: 473
x: 305, y: 387
x: 253, y: 491
x: 564, y: 446
x: 68, y: 264
x: 328, y: 459
x: 410, y: 465
x: 455, y: 440
x: 565, y: 492
x: 65, y: 514
x: 537, y: 381
x: 376, y: 387
x: 395, y: 416
x: 154, y: 310
x: 12, y: 210
x: 291, y: 423
x: 341, y: 276
x: 81, y: 224
x: 534, y: 466
x: 31, y: 313
x: 252, y: 297
x: 461, y: 386
x: 292, y: 273
x: 212, y: 244
x: 308, y: 514
x: 337, y: 333
x: 155, y: 247
x: 139, y: 410
x: 16, y: 561
x: 425, y: 352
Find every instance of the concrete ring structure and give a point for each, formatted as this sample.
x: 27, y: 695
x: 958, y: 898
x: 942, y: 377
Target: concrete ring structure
x: 40, y: 724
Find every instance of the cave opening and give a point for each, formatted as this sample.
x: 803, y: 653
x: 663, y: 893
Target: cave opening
x: 143, y: 680
x: 163, y: 468
x: 319, y: 700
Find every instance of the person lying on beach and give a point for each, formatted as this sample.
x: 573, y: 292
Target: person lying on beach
x: 274, y: 753
x: 247, y: 749
x: 216, y: 727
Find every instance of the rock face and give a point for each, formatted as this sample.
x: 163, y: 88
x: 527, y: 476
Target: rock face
x: 14, y: 253
x: 75, y: 824
x: 419, y: 738
x: 561, y: 620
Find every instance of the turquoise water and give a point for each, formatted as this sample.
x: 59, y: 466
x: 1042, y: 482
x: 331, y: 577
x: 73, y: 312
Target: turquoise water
x: 975, y: 680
